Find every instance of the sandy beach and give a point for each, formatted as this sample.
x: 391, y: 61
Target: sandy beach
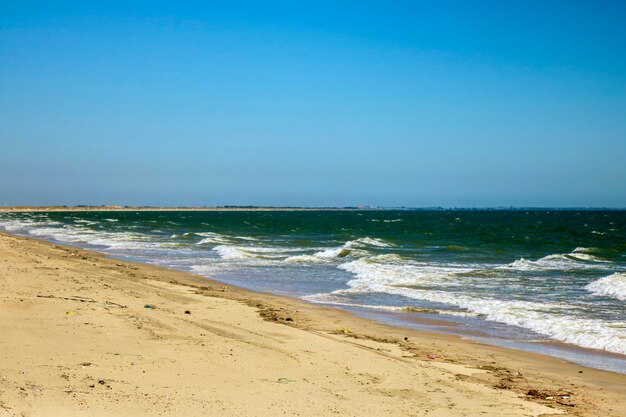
x: 85, y: 335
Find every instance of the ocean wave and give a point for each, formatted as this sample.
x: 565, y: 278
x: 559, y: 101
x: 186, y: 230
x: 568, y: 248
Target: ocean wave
x: 555, y: 320
x: 87, y: 222
x: 121, y: 242
x: 212, y: 238
x: 305, y: 259
x: 391, y: 269
x: 26, y: 225
x: 612, y: 286
x: 369, y: 241
x: 78, y: 234
x: 182, y: 235
x: 250, y: 252
x: 340, y: 252
x: 579, y: 258
x: 220, y: 239
x: 354, y: 248
x: 249, y: 238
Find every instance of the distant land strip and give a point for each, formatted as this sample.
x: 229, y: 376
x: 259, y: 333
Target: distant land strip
x: 288, y: 208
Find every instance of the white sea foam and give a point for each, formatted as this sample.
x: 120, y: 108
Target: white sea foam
x: 175, y: 235
x: 210, y: 237
x: 579, y: 258
x: 247, y: 238
x: 230, y: 252
x: 305, y: 259
x: 612, y: 286
x: 78, y: 234
x: 208, y: 269
x: 339, y: 252
x: 391, y: 270
x: 88, y: 222
x: 556, y: 320
x: 369, y: 241
x: 586, y: 257
x: 111, y: 220
x: 251, y: 252
x: 355, y: 248
x: 26, y: 225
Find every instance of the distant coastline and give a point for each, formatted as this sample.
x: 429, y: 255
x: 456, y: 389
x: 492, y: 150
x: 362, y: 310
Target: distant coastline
x: 289, y: 208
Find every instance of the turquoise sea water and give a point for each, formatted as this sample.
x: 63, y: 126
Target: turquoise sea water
x: 551, y: 281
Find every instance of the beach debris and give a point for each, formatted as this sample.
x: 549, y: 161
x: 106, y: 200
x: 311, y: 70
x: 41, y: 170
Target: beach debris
x: 111, y: 303
x: 502, y: 385
x: 72, y: 298
x: 432, y: 357
x: 284, y: 381
x: 411, y: 309
x: 70, y: 312
x: 101, y: 382
x: 149, y: 306
x: 544, y: 395
x: 187, y: 312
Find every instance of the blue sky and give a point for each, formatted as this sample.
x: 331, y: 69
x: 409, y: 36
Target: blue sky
x: 313, y: 103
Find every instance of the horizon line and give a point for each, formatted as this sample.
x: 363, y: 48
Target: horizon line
x: 104, y: 207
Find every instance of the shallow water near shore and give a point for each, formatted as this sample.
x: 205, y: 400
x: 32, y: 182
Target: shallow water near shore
x: 547, y: 281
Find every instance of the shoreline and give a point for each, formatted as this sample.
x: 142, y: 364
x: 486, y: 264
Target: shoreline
x: 577, y: 355
x: 550, y: 381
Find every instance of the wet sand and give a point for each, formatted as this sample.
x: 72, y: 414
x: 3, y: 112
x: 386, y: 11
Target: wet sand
x: 85, y: 335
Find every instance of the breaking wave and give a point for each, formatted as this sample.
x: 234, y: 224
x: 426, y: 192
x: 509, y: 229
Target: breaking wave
x: 212, y: 238
x: 612, y: 286
x: 353, y: 247
x: 549, y: 319
x: 251, y: 252
x: 579, y: 258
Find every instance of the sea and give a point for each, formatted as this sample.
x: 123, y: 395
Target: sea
x: 547, y: 281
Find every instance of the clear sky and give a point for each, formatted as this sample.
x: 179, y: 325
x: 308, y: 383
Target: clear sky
x: 313, y: 103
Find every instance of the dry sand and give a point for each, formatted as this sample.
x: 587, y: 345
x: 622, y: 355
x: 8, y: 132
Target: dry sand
x: 77, y: 340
